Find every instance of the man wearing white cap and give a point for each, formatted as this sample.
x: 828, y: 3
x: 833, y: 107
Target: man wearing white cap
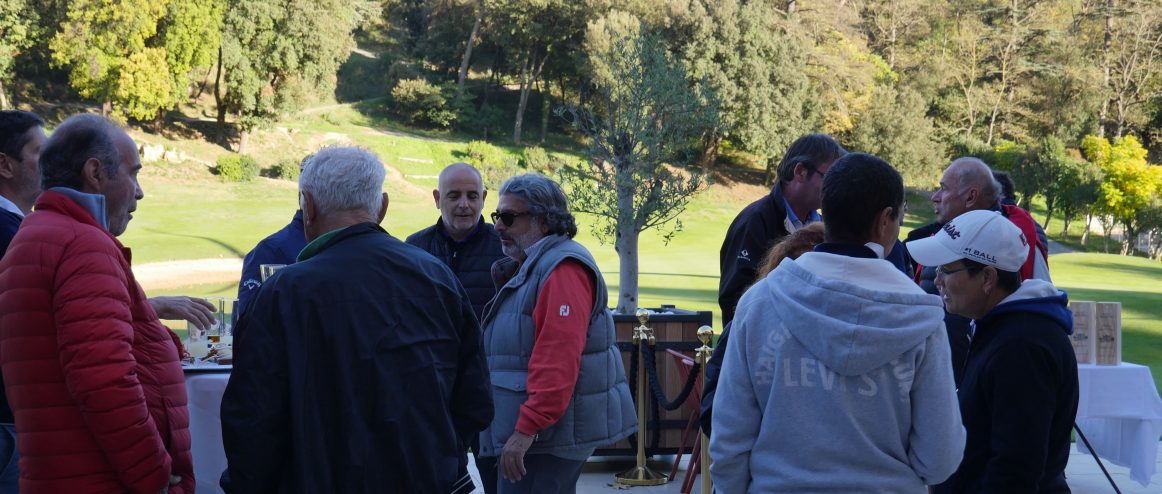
x: 1018, y: 397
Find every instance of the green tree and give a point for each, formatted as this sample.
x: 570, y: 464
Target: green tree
x: 98, y: 38
x: 531, y: 32
x: 190, y: 34
x: 896, y: 128
x: 640, y: 127
x: 1129, y: 183
x: 276, y: 57
x: 753, y: 66
x: 1078, y: 188
x: 17, y: 23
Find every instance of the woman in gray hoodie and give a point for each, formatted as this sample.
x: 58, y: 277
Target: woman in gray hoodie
x: 838, y: 376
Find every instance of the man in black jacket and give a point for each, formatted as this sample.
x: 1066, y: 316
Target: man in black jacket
x: 460, y: 236
x: 359, y: 368
x: 1018, y: 396
x: 792, y: 203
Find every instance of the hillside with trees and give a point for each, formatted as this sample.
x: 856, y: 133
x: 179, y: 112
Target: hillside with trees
x: 1066, y: 95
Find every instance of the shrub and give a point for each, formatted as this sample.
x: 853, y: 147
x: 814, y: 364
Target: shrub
x: 237, y: 168
x: 484, y: 155
x: 286, y: 170
x: 536, y: 159
x: 423, y: 103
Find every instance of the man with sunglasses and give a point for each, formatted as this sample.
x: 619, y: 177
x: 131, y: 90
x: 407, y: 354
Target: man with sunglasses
x: 1018, y: 396
x: 792, y: 203
x: 557, y: 380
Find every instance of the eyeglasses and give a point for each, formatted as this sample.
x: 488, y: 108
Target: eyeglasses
x: 949, y: 272
x: 507, y: 217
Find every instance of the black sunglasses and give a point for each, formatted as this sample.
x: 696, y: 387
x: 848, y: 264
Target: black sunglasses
x: 507, y: 217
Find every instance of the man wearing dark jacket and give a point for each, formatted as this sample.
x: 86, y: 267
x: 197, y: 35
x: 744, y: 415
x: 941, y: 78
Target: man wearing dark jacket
x: 1018, y: 396
x: 460, y: 237
x: 281, y: 247
x: 792, y: 203
x: 359, y: 368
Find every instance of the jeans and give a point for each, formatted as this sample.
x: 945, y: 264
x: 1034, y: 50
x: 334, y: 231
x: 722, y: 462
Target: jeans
x: 9, y: 458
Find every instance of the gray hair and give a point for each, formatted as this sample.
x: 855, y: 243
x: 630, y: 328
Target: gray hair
x: 974, y: 172
x: 344, y: 178
x: 545, y: 199
x: 75, y: 141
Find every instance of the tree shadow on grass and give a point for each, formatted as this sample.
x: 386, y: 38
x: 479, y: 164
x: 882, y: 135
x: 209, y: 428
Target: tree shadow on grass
x: 230, y: 248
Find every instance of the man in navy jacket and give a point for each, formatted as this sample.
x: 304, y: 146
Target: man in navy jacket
x: 359, y: 368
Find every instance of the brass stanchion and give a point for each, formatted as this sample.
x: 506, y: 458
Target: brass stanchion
x: 702, y: 356
x: 641, y: 474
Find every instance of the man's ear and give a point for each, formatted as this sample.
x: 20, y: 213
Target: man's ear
x: 383, y: 209
x: 436, y: 196
x: 7, y: 167
x: 92, y: 176
x: 990, y: 279
x: 484, y: 195
x: 308, y: 206
x: 801, y: 170
x: 972, y: 197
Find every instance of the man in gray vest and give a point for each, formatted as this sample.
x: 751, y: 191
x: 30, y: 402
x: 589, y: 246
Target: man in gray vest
x: 557, y: 381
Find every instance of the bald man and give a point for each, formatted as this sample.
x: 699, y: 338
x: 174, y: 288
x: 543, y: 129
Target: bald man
x: 967, y: 185
x: 467, y: 244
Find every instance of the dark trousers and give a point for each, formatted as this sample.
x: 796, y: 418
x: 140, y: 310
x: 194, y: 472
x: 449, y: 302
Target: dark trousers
x: 487, y: 466
x: 547, y: 474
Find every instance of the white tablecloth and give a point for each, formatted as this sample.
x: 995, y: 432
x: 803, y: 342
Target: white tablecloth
x: 1120, y: 412
x: 205, y: 394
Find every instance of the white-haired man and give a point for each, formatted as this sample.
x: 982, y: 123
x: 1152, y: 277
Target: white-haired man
x: 359, y: 368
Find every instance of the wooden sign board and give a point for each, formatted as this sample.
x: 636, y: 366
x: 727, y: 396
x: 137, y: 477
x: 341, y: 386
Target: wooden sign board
x: 1109, y: 333
x: 1084, y: 327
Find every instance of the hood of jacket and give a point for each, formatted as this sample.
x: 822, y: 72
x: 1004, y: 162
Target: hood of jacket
x: 854, y: 314
x: 1040, y: 297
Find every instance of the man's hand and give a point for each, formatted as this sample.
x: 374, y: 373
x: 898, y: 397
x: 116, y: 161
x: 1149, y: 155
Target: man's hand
x: 197, y: 311
x: 173, y: 480
x: 512, y: 457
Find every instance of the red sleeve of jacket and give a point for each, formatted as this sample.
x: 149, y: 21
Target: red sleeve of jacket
x: 94, y: 338
x: 562, y: 323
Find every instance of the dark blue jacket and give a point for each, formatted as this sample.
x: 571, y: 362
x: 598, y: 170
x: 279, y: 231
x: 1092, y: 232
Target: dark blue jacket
x: 359, y: 369
x: 471, y: 259
x: 9, y: 223
x: 1018, y: 398
x: 281, y: 247
x: 754, y: 231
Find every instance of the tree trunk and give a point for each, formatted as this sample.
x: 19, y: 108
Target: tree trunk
x: 1065, y: 220
x: 464, y: 62
x: 1049, y: 203
x: 627, y: 253
x: 1088, y: 225
x: 1129, y: 240
x: 1107, y: 41
x: 243, y: 140
x: 106, y: 108
x: 546, y: 108
x: 3, y: 97
x: 524, y: 100
x: 218, y: 105
x: 529, y: 73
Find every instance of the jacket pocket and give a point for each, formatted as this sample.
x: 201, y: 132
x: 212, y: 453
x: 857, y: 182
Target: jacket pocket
x: 509, y: 392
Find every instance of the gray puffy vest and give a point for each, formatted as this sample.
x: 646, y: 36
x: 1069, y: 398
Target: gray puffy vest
x: 601, y: 411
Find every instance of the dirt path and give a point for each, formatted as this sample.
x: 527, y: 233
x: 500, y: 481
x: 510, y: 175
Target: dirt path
x: 174, y: 274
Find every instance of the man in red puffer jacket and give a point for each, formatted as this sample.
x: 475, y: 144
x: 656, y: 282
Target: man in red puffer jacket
x: 94, y: 379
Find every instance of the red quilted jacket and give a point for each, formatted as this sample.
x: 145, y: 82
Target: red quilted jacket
x: 94, y: 379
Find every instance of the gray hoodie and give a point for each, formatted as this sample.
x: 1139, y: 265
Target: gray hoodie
x: 837, y: 378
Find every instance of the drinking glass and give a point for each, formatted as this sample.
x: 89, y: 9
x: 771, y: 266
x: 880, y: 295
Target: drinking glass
x: 268, y: 270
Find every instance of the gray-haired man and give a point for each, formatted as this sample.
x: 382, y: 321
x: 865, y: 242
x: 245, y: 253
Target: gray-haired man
x: 358, y: 368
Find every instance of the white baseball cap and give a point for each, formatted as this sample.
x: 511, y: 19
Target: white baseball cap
x: 983, y: 236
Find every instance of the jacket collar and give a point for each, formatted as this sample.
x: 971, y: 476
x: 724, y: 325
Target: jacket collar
x: 326, y: 240
x: 81, y: 207
x: 10, y: 206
